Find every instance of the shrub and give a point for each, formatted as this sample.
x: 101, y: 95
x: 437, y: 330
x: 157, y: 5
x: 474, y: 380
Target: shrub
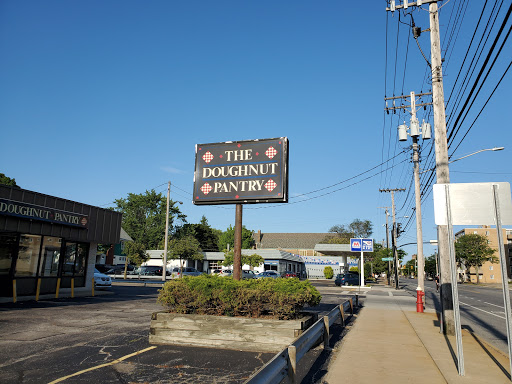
x: 215, y: 295
x: 328, y: 272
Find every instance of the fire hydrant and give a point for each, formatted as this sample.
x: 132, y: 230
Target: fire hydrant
x: 419, y: 300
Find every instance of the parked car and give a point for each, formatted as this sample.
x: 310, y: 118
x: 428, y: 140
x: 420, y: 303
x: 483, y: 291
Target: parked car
x: 248, y: 275
x: 119, y: 270
x: 288, y: 274
x: 268, y: 274
x: 226, y: 273
x: 101, y: 280
x: 216, y: 271
x: 187, y: 271
x: 346, y: 279
x: 149, y: 270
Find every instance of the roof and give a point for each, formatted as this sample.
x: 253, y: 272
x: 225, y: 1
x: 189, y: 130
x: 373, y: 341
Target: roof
x: 267, y: 254
x: 289, y: 240
x: 125, y: 236
x: 335, y: 249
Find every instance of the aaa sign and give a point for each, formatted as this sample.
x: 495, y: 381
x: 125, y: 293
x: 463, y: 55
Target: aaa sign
x: 242, y: 172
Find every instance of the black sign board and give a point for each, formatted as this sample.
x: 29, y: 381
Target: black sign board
x: 35, y: 212
x: 242, y: 172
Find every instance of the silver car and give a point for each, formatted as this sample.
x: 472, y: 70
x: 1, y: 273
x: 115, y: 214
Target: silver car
x: 268, y: 274
x: 101, y: 280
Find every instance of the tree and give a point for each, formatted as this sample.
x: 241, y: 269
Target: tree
x: 430, y: 265
x: 343, y: 233
x: 228, y: 237
x: 184, y: 248
x: 144, y: 217
x: 253, y: 260
x: 136, y: 252
x: 7, y: 181
x: 207, y: 236
x: 472, y: 250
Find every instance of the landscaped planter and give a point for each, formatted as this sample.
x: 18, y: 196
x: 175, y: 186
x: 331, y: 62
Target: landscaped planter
x: 237, y: 333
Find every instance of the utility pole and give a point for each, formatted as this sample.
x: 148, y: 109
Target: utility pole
x: 402, y: 136
x: 393, y: 236
x: 164, y: 269
x: 387, y: 243
x: 237, y: 254
x: 441, y: 150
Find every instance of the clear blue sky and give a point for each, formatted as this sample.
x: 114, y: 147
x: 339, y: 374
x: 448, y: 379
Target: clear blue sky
x: 99, y: 99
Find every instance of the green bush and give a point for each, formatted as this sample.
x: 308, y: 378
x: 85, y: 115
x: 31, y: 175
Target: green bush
x: 328, y: 272
x: 224, y: 296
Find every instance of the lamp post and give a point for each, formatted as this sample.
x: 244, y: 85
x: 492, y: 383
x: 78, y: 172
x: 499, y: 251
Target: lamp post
x: 164, y: 268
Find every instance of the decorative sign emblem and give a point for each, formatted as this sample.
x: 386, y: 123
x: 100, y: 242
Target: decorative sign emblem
x: 355, y: 245
x: 242, y: 172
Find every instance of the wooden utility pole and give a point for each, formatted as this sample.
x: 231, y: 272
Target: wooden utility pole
x: 442, y: 171
x: 393, y: 235
x: 387, y: 243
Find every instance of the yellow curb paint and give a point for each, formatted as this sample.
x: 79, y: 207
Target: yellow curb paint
x: 113, y: 362
x: 14, y: 291
x: 58, y: 288
x: 38, y: 290
x: 72, y: 287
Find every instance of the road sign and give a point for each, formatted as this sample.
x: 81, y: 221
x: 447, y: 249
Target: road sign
x: 367, y: 245
x: 387, y: 259
x: 355, y: 245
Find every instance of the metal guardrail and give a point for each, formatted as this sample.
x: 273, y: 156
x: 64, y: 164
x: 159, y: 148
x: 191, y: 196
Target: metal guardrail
x: 283, y: 366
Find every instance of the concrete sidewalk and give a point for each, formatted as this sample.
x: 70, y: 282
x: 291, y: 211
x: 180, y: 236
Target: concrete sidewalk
x: 391, y: 343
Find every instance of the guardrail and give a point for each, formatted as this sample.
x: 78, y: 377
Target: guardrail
x: 283, y: 366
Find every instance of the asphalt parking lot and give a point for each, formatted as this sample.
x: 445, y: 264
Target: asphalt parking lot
x: 105, y: 339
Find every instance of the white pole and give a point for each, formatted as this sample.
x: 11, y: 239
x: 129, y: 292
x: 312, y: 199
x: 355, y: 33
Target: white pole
x: 362, y: 266
x: 164, y: 269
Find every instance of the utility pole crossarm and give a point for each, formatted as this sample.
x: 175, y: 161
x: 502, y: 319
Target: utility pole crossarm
x: 406, y: 4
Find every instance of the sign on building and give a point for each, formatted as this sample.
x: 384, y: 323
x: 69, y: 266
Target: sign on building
x: 242, y: 172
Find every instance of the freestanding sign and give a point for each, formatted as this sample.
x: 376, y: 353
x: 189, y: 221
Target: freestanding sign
x: 361, y: 245
x: 241, y: 172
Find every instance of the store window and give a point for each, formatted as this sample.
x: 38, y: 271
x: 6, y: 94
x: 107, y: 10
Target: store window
x: 28, y: 255
x: 68, y: 266
x: 81, y: 259
x: 50, y: 256
x: 8, y: 244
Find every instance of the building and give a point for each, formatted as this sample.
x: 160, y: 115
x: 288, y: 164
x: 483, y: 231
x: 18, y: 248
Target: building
x: 302, y: 244
x: 488, y: 272
x: 48, y: 244
x: 115, y: 255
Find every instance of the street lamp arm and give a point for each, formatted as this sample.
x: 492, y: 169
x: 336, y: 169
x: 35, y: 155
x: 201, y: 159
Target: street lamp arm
x: 471, y: 154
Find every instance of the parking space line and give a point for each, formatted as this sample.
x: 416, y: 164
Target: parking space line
x: 103, y: 365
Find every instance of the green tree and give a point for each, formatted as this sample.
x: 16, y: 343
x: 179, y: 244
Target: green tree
x: 207, y: 236
x: 228, y: 237
x: 472, y: 250
x: 328, y: 272
x: 7, y: 181
x: 144, y: 217
x: 184, y: 248
x: 430, y: 265
x: 253, y: 260
x: 343, y: 233
x: 136, y: 252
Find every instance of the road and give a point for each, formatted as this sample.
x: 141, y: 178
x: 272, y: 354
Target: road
x: 481, y: 309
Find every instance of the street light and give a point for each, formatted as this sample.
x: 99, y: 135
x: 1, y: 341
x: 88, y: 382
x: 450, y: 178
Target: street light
x: 471, y: 154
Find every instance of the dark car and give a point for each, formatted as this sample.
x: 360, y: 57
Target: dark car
x: 150, y: 270
x: 346, y: 279
x: 288, y: 274
x: 268, y: 274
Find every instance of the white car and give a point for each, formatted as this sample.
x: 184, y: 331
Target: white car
x: 101, y: 280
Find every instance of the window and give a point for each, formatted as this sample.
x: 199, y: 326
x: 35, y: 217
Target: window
x: 486, y: 233
x: 69, y: 260
x: 491, y: 267
x: 81, y: 258
x: 8, y: 244
x: 50, y: 256
x: 28, y: 255
x: 492, y: 277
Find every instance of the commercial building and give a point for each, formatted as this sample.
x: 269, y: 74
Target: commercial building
x: 48, y: 244
x: 488, y: 272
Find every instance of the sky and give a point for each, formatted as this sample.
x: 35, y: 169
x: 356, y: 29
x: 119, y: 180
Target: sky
x: 99, y: 99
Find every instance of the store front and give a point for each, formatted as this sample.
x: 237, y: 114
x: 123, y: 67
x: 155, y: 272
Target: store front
x: 48, y: 243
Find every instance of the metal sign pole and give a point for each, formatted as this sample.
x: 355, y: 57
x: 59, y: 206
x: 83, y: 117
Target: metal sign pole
x: 504, y: 275
x: 362, y: 267
x: 455, y: 289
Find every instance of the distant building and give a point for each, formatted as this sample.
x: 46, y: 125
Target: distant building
x: 489, y: 272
